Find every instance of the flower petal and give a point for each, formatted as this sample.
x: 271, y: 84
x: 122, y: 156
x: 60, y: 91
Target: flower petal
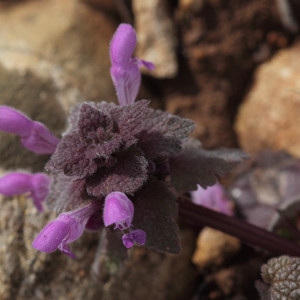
x: 40, y: 140
x: 127, y: 82
x: 34, y: 135
x: 13, y: 121
x: 65, y: 229
x: 125, y: 70
x: 52, y: 236
x: 134, y: 237
x: 122, y: 45
x: 118, y: 209
x: 17, y: 183
x: 40, y: 186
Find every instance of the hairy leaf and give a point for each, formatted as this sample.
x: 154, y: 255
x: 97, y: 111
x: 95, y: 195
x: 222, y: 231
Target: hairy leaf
x: 155, y: 213
x: 162, y: 134
x: 126, y: 176
x: 66, y: 194
x: 194, y: 165
x: 91, y: 119
x: 129, y: 120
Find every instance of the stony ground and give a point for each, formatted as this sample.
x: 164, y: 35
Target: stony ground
x: 231, y: 66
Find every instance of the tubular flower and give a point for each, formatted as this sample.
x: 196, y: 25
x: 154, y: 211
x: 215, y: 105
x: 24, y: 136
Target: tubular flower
x: 119, y: 210
x: 34, y: 136
x: 35, y: 185
x: 65, y: 229
x: 125, y: 71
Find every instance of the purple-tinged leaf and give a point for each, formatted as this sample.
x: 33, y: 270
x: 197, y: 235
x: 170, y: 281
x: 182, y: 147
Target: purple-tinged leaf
x: 155, y: 213
x: 162, y: 134
x: 71, y: 158
x: 168, y: 124
x: 66, y: 193
x: 130, y: 119
x: 127, y: 175
x: 73, y: 120
x: 91, y: 119
x: 194, y: 165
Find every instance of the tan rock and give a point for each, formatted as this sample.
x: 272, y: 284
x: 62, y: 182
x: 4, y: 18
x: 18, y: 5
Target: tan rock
x: 63, y: 41
x: 214, y: 248
x: 269, y: 115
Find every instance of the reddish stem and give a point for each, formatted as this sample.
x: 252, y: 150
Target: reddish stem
x: 246, y: 232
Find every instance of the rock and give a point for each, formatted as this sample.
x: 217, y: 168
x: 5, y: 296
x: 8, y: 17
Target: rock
x: 156, y: 35
x: 221, y: 42
x: 235, y: 281
x: 47, y: 66
x: 214, y: 248
x: 71, y: 52
x: 208, y: 110
x: 268, y: 116
x: 28, y: 274
x: 108, y: 6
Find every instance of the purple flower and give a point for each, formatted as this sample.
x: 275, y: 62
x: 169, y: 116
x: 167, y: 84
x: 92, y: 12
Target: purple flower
x: 212, y: 197
x: 65, y: 229
x: 125, y: 71
x: 33, y: 135
x: 37, y: 185
x: 119, y: 210
x: 134, y: 237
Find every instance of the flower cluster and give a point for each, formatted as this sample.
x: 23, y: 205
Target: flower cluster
x: 116, y: 165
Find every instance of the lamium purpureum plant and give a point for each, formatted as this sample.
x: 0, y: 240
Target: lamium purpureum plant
x: 122, y: 167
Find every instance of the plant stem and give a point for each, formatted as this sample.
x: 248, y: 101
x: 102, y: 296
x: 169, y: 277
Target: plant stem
x: 246, y: 232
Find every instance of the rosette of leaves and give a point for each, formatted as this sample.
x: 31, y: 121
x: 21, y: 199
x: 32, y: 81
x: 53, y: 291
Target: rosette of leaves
x: 139, y: 151
x: 282, y: 278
